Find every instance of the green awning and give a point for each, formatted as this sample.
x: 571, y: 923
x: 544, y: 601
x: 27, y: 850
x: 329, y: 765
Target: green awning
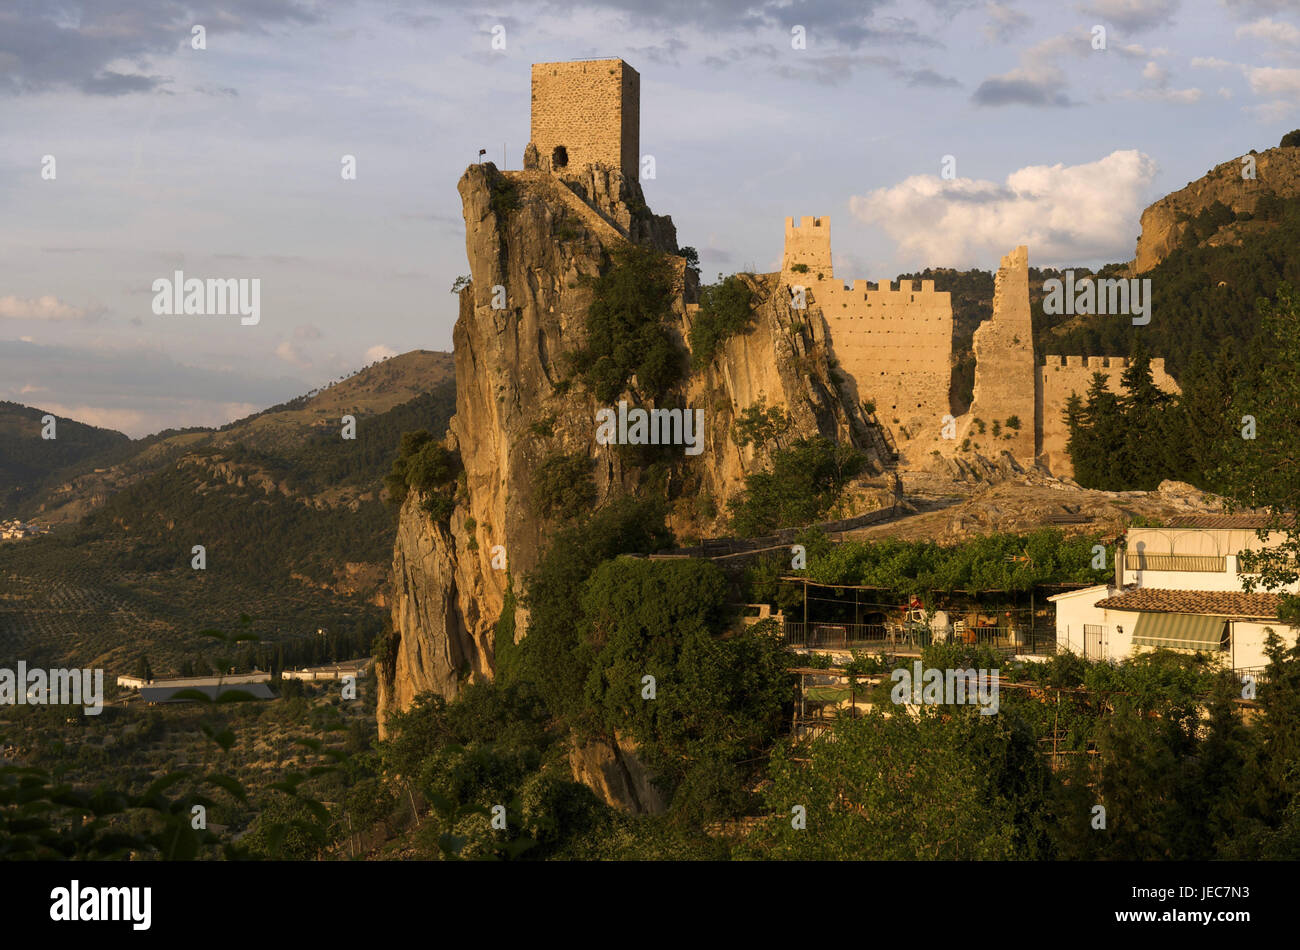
x: 1181, y: 631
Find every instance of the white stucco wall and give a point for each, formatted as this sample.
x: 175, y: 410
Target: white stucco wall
x: 1077, y: 608
x: 1246, y: 649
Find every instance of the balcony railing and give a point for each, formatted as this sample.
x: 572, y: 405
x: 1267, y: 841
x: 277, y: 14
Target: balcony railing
x: 1200, y: 563
x: 886, y: 638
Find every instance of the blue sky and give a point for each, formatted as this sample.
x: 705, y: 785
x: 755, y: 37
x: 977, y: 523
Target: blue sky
x: 225, y: 162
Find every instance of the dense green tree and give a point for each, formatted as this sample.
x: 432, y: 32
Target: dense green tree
x: 989, y: 562
x: 627, y: 328
x: 804, y: 481
x: 716, y: 701
x: 554, y: 656
x: 1204, y: 424
x: 726, y: 308
x: 1262, y: 468
x: 894, y: 787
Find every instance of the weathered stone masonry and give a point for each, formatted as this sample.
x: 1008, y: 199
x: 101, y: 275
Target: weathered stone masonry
x: 896, y: 344
x: 1062, y: 375
x: 587, y: 113
x: 897, y: 347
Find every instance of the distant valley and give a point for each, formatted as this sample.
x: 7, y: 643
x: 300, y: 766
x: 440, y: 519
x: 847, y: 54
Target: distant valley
x: 291, y: 516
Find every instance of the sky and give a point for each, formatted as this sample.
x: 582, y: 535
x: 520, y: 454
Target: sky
x: 126, y: 154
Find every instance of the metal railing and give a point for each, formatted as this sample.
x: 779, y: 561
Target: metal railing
x: 1201, y: 563
x: 873, y: 637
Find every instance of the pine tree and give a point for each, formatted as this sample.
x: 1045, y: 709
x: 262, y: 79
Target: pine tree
x: 1142, y: 408
x: 1101, y: 439
x: 1205, y: 422
x: 1264, y: 471
x: 1074, y: 444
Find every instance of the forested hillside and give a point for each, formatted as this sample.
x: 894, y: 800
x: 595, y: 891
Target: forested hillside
x: 28, y: 461
x: 298, y: 538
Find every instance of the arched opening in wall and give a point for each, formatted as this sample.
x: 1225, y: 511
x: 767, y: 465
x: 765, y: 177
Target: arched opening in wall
x: 560, y: 157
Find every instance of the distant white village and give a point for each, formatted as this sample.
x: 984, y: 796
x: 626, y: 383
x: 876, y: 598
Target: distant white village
x: 15, y: 530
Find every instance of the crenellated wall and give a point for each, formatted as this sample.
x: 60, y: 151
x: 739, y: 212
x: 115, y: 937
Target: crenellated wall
x: 1058, y: 377
x: 895, y: 343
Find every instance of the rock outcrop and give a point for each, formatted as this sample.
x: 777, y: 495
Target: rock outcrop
x: 1167, y: 223
x: 537, y: 236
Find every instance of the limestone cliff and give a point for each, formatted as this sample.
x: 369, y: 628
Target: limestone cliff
x: 1167, y: 223
x: 532, y: 236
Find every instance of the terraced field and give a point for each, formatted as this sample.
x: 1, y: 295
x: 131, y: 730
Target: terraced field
x: 65, y: 605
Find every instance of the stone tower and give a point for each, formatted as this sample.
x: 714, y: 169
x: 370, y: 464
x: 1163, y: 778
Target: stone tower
x: 807, y: 245
x: 1005, y: 374
x: 586, y: 112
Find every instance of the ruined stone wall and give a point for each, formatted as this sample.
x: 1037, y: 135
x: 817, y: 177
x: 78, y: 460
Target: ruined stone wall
x: 592, y: 108
x: 1062, y: 375
x: 1005, y: 375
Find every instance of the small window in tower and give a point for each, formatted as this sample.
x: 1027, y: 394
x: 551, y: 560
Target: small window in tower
x: 560, y: 157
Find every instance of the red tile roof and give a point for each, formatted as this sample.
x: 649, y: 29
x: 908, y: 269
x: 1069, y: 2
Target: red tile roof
x: 1213, y: 603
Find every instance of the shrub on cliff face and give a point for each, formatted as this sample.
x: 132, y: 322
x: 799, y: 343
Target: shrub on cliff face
x: 504, y: 196
x: 627, y: 328
x: 562, y: 485
x: 423, y: 464
x: 726, y: 309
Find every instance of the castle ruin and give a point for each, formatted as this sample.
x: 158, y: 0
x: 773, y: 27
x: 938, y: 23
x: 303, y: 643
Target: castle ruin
x: 894, y: 345
x: 586, y: 112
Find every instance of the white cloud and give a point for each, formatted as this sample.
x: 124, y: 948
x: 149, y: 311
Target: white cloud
x: 1274, y: 31
x: 141, y: 422
x: 1005, y: 21
x: 292, y: 354
x: 123, y: 420
x: 1132, y: 14
x: 1174, y: 96
x: 1210, y: 62
x: 48, y: 307
x: 379, y: 352
x: 1039, y: 80
x: 1273, y: 81
x: 1251, y: 8
x: 1065, y: 213
x: 1274, y: 111
x: 1159, y: 90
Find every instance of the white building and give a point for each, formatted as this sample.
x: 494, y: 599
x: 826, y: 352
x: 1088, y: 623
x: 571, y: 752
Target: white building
x: 183, y: 682
x: 1179, y: 587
